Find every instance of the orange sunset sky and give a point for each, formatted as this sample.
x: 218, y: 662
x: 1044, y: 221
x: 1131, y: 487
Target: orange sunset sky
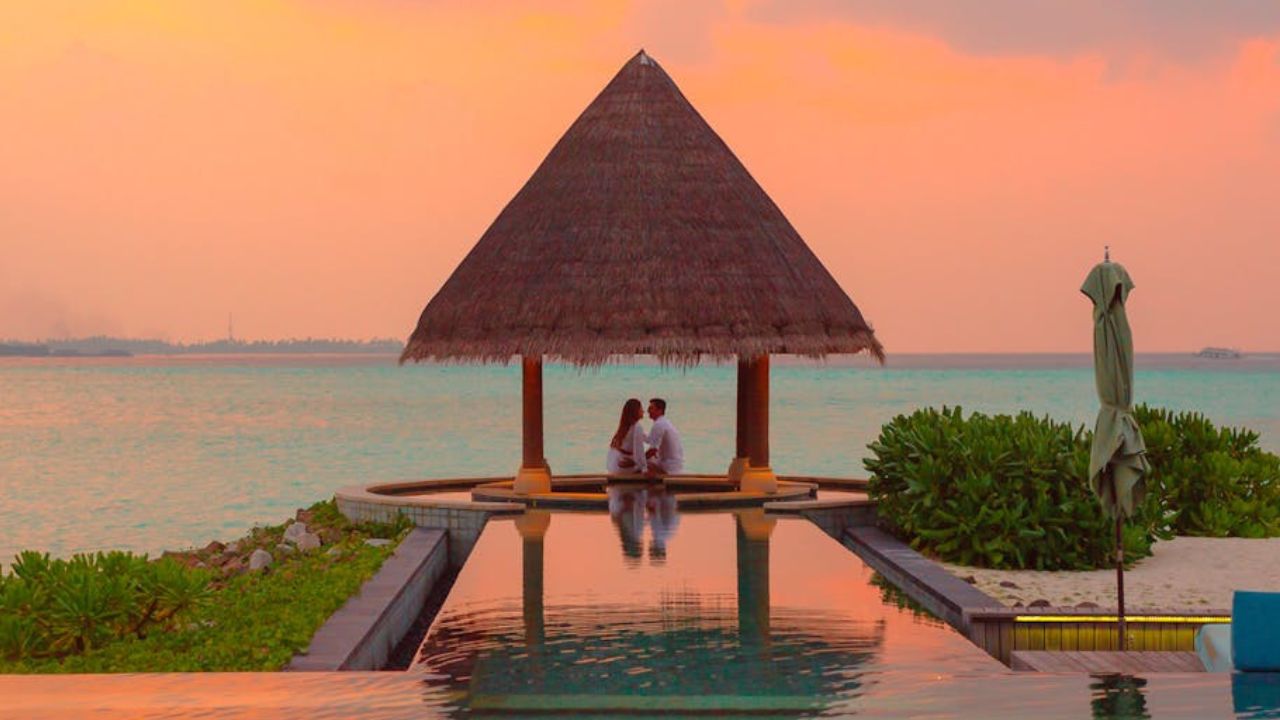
x: 318, y: 167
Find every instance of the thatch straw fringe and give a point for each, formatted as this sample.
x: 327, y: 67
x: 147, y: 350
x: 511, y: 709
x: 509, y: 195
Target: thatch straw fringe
x: 673, y: 351
x: 640, y: 233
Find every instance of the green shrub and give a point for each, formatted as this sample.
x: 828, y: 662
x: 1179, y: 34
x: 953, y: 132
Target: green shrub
x: 54, y: 608
x: 1210, y: 481
x: 996, y: 491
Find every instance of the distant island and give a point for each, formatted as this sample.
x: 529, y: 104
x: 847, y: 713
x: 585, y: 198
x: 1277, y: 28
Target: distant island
x: 101, y: 346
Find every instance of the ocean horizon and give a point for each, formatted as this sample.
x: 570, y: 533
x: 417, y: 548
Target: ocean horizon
x: 149, y: 453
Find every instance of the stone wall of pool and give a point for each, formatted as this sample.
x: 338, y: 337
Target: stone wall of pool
x: 362, y: 634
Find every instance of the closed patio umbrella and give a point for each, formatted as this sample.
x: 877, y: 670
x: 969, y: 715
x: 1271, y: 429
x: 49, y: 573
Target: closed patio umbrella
x: 1118, y: 459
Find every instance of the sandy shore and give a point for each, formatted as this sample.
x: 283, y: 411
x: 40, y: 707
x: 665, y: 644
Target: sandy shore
x: 1185, y: 573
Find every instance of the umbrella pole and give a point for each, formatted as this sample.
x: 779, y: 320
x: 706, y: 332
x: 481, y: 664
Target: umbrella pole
x: 1119, y: 570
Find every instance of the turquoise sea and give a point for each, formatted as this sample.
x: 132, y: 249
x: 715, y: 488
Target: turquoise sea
x: 151, y: 453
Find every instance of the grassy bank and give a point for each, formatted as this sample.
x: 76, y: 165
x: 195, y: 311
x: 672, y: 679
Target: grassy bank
x: 243, y: 619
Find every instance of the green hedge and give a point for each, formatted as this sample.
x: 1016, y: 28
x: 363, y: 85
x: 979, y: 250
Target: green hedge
x: 1011, y: 491
x: 994, y: 491
x: 1210, y: 481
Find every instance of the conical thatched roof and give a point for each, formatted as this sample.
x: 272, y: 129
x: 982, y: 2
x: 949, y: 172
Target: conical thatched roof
x: 640, y: 233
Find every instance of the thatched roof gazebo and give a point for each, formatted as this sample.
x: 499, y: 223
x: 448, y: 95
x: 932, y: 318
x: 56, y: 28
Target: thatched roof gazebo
x: 641, y: 234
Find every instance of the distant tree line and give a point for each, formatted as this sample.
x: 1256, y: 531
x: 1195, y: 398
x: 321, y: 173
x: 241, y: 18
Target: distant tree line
x: 110, y: 346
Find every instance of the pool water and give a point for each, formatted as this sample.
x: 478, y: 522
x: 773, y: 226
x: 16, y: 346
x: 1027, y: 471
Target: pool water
x: 644, y: 609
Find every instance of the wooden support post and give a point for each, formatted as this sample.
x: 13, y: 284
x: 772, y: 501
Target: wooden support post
x: 744, y: 399
x: 739, y: 463
x: 758, y: 476
x: 534, y: 476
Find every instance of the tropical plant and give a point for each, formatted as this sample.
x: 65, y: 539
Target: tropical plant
x: 996, y: 491
x: 56, y: 607
x: 1209, y: 480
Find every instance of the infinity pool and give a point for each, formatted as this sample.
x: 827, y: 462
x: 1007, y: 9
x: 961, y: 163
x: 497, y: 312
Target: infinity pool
x: 642, y: 609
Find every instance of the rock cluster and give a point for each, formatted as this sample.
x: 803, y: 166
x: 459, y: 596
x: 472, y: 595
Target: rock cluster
x: 261, y: 550
x: 301, y: 538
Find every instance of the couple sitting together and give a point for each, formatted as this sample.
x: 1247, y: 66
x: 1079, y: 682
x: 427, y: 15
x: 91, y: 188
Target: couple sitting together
x: 627, y: 452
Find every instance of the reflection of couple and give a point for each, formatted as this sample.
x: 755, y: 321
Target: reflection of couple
x: 627, y: 452
x: 628, y: 508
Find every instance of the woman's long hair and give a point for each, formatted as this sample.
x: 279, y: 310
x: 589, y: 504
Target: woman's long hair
x: 632, y: 411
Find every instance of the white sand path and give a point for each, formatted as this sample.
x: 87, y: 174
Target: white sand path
x: 1186, y: 573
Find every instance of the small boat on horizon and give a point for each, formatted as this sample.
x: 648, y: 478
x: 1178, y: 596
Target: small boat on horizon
x: 1220, y: 353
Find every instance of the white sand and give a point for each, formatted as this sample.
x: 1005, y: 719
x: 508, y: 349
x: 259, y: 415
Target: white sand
x: 1186, y: 573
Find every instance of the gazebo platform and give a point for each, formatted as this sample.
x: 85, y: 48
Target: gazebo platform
x: 591, y: 492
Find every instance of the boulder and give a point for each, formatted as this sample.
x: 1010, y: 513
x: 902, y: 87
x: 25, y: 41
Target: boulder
x: 234, y: 566
x: 1039, y: 604
x: 259, y: 559
x: 1009, y: 584
x: 284, y: 549
x: 377, y: 542
x: 1086, y: 604
x: 308, y: 541
x: 294, y: 532
x: 213, y: 548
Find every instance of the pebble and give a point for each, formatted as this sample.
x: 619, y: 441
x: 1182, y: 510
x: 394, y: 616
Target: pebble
x: 294, y: 532
x: 1009, y: 584
x: 377, y: 542
x: 259, y: 560
x: 1039, y: 603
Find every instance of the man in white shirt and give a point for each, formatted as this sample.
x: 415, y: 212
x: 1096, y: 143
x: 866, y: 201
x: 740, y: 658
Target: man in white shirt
x: 666, y: 453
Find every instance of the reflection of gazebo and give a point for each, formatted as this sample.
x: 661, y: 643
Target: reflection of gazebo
x: 641, y: 233
x: 690, y: 655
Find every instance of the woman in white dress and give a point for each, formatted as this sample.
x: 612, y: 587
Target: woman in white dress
x: 626, y: 449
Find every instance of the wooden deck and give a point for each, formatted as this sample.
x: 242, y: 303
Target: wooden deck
x: 1074, y: 661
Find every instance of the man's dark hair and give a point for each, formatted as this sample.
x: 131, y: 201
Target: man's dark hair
x: 662, y: 404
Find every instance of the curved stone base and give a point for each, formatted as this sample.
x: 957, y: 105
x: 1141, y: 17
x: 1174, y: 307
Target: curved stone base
x: 447, y: 502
